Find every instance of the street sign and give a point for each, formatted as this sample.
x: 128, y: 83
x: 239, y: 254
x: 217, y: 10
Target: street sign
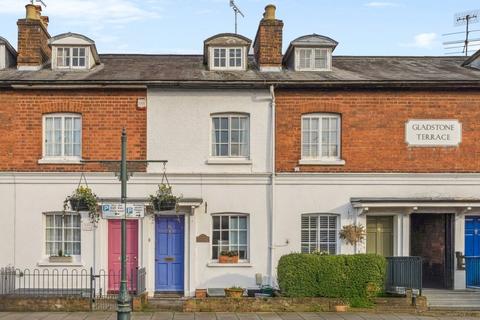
x: 117, y: 210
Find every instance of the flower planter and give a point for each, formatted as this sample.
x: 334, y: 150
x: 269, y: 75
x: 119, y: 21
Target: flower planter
x: 62, y: 259
x: 227, y: 259
x: 165, y: 205
x: 233, y: 293
x: 201, y: 293
x: 78, y: 204
x: 340, y: 308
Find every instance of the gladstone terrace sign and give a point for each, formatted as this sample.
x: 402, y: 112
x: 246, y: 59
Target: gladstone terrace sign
x: 433, y: 133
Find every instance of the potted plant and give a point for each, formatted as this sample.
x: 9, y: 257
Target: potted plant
x: 234, y: 292
x: 163, y: 199
x: 353, y: 234
x: 83, y: 199
x: 200, y: 293
x: 60, y: 257
x: 228, y: 257
x: 340, y: 306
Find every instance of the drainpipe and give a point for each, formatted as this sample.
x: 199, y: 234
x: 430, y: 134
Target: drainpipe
x: 271, y: 245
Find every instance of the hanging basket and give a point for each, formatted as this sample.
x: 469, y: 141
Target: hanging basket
x: 78, y: 204
x: 164, y: 205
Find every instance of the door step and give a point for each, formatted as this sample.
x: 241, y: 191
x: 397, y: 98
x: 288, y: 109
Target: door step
x: 166, y: 303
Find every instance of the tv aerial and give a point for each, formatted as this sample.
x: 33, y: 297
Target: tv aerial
x: 463, y: 19
x: 39, y: 1
x: 237, y: 11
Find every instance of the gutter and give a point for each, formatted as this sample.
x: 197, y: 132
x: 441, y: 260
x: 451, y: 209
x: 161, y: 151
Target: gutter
x: 448, y: 85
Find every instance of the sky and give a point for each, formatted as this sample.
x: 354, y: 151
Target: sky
x: 362, y: 27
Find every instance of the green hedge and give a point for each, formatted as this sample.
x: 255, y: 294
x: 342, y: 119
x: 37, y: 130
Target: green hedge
x: 353, y: 278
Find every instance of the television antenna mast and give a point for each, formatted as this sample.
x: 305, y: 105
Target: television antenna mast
x: 237, y: 11
x: 464, y: 19
x: 39, y: 1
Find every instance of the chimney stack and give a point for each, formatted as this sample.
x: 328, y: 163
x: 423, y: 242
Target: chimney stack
x: 33, y: 49
x: 268, y: 41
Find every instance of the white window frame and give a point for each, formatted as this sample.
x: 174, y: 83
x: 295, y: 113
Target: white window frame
x: 227, y: 58
x: 247, y: 216
x: 70, y: 55
x: 327, y: 159
x: 212, y: 128
x: 62, y: 157
x: 328, y: 53
x: 62, y: 215
x: 318, y: 241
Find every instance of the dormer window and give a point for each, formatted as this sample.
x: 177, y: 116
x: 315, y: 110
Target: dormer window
x: 72, y: 58
x: 226, y: 51
x: 227, y: 58
x: 8, y: 55
x: 311, y: 59
x: 310, y: 53
x: 73, y: 51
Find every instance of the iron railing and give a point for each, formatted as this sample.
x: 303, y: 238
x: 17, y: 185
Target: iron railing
x: 100, y: 287
x: 472, y: 270
x: 403, y: 273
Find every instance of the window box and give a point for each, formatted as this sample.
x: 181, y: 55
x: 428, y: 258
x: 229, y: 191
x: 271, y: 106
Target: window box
x: 227, y: 259
x: 62, y: 259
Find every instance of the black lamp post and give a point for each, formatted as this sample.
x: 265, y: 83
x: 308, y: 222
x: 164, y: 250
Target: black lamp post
x: 124, y: 300
x: 124, y: 308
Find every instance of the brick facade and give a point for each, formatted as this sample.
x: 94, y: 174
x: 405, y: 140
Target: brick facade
x: 104, y: 114
x: 373, y: 130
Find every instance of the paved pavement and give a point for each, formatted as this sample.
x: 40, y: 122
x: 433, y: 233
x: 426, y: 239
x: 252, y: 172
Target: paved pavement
x: 218, y: 316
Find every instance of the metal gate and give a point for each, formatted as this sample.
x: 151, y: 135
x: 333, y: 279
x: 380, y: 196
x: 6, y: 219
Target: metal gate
x: 403, y: 273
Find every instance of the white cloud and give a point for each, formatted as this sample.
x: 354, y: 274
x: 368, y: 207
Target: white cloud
x: 88, y: 12
x: 425, y: 40
x: 375, y: 4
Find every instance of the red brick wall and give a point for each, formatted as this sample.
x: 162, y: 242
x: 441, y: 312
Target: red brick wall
x: 373, y: 130
x: 104, y: 114
x: 268, y: 43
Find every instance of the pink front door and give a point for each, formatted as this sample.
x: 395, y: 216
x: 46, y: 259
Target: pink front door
x: 114, y: 254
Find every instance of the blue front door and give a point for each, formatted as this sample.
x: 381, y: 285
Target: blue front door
x: 472, y: 250
x: 169, y: 254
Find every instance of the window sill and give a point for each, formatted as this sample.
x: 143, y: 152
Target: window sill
x: 229, y: 265
x: 59, y: 161
x: 229, y: 161
x: 77, y: 262
x: 322, y: 162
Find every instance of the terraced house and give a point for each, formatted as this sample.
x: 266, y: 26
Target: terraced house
x: 272, y: 153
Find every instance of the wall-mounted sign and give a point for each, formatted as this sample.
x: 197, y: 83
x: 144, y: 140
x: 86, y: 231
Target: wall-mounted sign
x: 117, y: 210
x: 203, y: 238
x: 433, y: 133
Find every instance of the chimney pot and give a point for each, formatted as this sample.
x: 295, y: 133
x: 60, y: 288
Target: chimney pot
x: 31, y: 12
x: 45, y: 20
x: 269, y: 12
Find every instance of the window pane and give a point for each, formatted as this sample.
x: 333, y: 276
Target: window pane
x: 216, y: 222
x: 225, y: 222
x: 320, y: 59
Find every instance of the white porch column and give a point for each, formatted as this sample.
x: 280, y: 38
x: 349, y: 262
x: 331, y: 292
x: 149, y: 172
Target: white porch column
x: 459, y: 279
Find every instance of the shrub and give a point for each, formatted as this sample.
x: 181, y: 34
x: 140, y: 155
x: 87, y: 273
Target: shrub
x: 354, y: 278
